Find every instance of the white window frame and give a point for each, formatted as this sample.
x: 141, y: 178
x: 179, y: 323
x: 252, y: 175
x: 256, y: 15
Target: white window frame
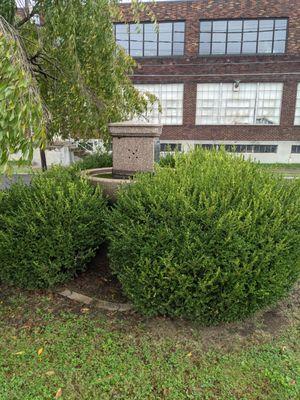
x: 165, y: 117
x: 297, y: 107
x: 220, y: 110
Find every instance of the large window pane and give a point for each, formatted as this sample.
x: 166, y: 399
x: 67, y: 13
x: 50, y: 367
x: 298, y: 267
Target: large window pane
x: 250, y: 25
x: 233, y: 48
x: 235, y: 26
x: 297, y: 111
x: 249, y: 47
x: 171, y: 102
x: 219, y: 26
x: 148, y: 40
x: 261, y: 36
x: 264, y: 47
x: 218, y: 48
x: 279, y: 47
x: 136, y: 40
x: 249, y: 104
x: 281, y: 24
x: 205, y: 48
x: 205, y: 26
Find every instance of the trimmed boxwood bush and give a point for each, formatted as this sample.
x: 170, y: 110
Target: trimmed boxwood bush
x: 213, y: 239
x: 49, y: 230
x: 95, y: 160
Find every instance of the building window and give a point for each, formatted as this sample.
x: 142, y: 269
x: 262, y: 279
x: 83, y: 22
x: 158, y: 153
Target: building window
x: 241, y: 148
x: 248, y: 36
x: 295, y: 149
x: 170, y: 147
x: 150, y: 40
x: 242, y: 104
x: 297, y: 111
x: 170, y: 109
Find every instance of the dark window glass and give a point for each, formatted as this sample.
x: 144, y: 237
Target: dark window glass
x: 296, y: 149
x: 207, y: 146
x: 148, y: 40
x: 167, y: 147
x: 243, y: 148
x: 249, y: 36
x: 265, y: 149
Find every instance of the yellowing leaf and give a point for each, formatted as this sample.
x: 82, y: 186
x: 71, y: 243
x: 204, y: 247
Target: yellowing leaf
x: 190, y: 354
x: 40, y: 351
x: 19, y: 353
x: 58, y: 393
x: 50, y: 373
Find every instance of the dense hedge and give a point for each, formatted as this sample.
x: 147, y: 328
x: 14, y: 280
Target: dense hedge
x: 50, y: 230
x: 213, y: 239
x: 95, y: 160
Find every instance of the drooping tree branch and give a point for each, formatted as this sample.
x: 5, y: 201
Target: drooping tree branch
x: 29, y: 15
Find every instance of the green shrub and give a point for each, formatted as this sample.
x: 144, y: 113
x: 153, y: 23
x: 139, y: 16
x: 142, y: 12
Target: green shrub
x: 96, y: 160
x: 167, y: 161
x: 213, y: 239
x: 50, y: 230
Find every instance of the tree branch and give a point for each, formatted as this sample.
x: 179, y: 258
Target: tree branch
x: 29, y: 15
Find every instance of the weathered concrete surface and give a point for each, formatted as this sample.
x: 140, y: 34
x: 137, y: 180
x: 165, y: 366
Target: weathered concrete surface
x: 109, y: 185
x: 6, y: 182
x: 102, y: 304
x: 134, y: 147
x: 81, y: 298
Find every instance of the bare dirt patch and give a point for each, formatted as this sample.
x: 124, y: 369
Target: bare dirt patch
x: 98, y: 281
x: 26, y: 307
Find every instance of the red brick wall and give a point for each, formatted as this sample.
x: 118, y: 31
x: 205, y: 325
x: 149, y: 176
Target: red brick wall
x: 192, y: 68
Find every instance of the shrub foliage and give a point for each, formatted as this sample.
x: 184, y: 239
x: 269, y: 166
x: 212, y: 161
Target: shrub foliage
x: 213, y: 239
x: 50, y: 230
x: 95, y: 160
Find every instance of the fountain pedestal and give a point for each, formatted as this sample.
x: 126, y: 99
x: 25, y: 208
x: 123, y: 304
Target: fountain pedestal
x: 136, y: 147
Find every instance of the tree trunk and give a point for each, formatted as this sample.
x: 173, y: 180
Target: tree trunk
x: 43, y: 160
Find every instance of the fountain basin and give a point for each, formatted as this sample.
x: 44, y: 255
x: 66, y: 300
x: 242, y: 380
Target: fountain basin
x: 103, y: 177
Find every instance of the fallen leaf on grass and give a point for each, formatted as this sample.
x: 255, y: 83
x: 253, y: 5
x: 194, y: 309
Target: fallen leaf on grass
x: 19, y: 353
x: 50, y: 373
x: 190, y: 354
x: 40, y: 351
x: 58, y: 393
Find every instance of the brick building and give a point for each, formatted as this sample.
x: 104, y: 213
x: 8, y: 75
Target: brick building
x: 226, y: 72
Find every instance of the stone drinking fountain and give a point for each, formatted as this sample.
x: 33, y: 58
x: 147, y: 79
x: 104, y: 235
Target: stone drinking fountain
x: 136, y: 148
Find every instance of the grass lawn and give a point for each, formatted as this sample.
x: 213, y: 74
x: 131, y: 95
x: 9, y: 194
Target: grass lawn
x: 284, y: 169
x: 88, y: 354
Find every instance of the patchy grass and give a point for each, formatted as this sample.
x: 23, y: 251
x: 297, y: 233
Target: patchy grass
x: 90, y: 355
x: 281, y: 166
x: 284, y: 169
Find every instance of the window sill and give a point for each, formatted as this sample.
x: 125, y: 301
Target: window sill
x: 241, y: 55
x: 230, y: 125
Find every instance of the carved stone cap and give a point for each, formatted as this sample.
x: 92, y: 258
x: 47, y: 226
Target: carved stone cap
x: 135, y: 129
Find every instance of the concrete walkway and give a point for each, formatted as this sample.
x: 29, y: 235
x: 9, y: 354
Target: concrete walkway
x: 5, y: 182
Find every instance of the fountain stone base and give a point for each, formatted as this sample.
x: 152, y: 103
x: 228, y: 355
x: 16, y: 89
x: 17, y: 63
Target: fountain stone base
x: 136, y: 148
